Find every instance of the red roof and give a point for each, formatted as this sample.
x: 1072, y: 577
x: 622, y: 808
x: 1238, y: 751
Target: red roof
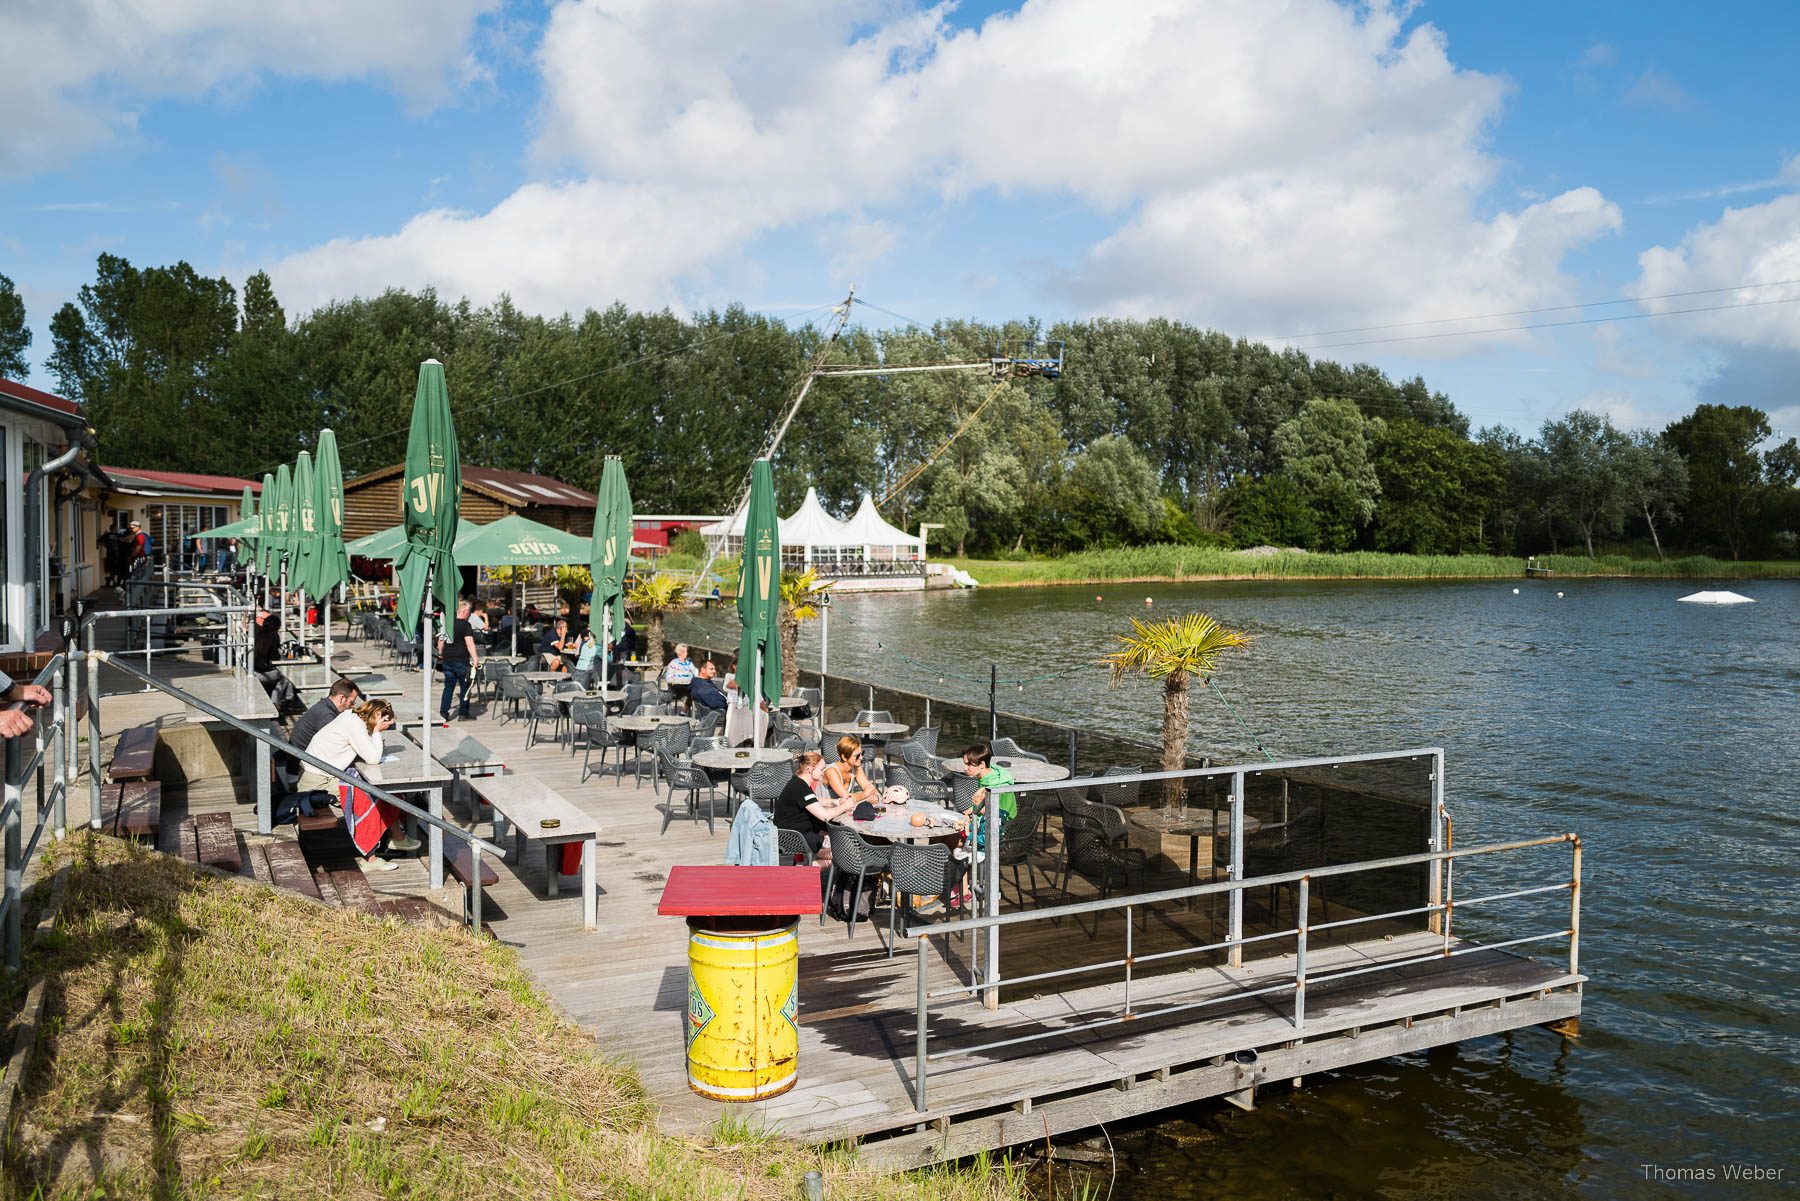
x: 188, y: 480
x: 522, y: 487
x: 21, y: 392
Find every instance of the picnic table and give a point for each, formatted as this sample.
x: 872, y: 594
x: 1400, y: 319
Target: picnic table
x: 527, y: 803
x: 245, y: 699
x: 404, y: 768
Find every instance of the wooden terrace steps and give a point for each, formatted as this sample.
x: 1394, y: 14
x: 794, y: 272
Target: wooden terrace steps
x: 626, y: 984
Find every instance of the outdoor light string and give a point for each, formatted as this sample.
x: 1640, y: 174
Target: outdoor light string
x: 1240, y: 720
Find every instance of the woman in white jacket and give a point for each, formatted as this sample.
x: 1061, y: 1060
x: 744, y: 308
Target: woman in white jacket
x: 353, y: 737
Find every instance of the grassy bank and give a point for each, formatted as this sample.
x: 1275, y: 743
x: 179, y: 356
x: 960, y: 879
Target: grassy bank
x: 1160, y: 563
x: 206, y: 1039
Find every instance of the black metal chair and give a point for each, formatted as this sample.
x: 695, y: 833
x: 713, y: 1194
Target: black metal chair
x: 581, y: 718
x: 1121, y: 795
x: 673, y: 739
x: 1016, y: 837
x: 851, y: 856
x: 685, y: 777
x: 912, y: 870
x: 1090, y: 854
x: 602, y: 737
x: 1012, y: 750
x: 791, y: 849
x: 962, y: 792
x: 515, y: 691
x: 539, y: 709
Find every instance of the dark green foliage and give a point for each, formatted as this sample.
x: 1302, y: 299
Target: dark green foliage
x: 15, y: 335
x: 1156, y: 431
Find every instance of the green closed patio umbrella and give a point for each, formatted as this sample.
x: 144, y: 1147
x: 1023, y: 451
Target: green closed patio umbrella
x: 759, y: 595
x: 282, y: 554
x: 609, y: 556
x: 431, y: 497
x: 265, y: 540
x: 305, y: 536
x: 331, y: 564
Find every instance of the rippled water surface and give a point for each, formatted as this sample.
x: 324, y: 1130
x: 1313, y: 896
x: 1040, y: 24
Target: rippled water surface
x: 1667, y: 735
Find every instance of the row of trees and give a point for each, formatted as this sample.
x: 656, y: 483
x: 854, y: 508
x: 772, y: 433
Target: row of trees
x: 1156, y: 431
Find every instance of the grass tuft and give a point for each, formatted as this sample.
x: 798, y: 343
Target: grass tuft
x: 213, y: 1040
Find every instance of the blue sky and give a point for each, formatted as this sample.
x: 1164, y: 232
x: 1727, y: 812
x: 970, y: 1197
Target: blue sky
x: 1268, y: 169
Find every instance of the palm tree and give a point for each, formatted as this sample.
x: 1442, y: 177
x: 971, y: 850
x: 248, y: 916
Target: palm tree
x: 651, y: 597
x: 798, y: 591
x: 1171, y: 650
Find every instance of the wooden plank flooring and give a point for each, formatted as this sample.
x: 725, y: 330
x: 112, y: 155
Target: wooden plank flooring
x: 627, y: 982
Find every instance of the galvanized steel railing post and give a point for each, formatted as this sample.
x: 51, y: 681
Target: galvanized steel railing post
x: 1127, y: 960
x: 1575, y: 906
x: 475, y: 889
x: 71, y: 731
x: 15, y: 871
x: 919, y: 1055
x: 1235, y: 931
x: 93, y: 707
x: 59, y: 741
x: 1303, y: 903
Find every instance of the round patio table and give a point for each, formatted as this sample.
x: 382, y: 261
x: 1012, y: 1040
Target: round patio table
x: 645, y: 722
x: 542, y: 677
x: 741, y: 758
x: 895, y: 824
x: 792, y: 702
x: 1198, y: 822
x: 608, y: 695
x: 873, y: 729
x: 1032, y: 771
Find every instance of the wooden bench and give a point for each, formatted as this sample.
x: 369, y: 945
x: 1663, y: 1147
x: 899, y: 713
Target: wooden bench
x: 459, y: 861
x: 288, y: 867
x: 526, y: 803
x: 132, y: 809
x: 134, y: 758
x: 216, y: 842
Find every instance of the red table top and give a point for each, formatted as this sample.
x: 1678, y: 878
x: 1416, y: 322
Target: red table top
x: 725, y: 890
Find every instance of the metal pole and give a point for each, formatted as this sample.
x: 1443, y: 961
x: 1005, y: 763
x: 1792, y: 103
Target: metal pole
x: 1304, y: 904
x: 425, y: 671
x: 1236, y: 931
x: 993, y: 704
x: 93, y: 707
x: 147, y: 622
x: 824, y: 641
x: 59, y: 709
x: 1071, y: 750
x: 15, y: 872
x: 991, y: 886
x: 919, y: 1033
x: 756, y: 697
x: 1575, y: 908
x: 71, y: 733
x: 328, y: 637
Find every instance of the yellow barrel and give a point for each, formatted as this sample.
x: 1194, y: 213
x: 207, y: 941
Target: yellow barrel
x: 743, y: 1034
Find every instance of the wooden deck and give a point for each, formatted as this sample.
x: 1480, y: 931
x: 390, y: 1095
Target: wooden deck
x: 627, y: 984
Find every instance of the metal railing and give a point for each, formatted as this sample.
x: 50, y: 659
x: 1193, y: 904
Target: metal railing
x: 1297, y: 983
x: 235, y: 646
x: 436, y: 823
x: 49, y: 747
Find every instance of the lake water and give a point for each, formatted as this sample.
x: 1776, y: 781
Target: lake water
x: 1667, y: 735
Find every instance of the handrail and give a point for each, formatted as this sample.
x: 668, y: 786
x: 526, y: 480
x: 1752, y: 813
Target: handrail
x: 1234, y: 941
x: 475, y: 842
x: 48, y: 738
x: 289, y: 749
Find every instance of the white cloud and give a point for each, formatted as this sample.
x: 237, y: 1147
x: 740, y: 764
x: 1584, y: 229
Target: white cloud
x: 1657, y: 90
x: 1756, y: 244
x: 1264, y: 164
x: 74, y: 74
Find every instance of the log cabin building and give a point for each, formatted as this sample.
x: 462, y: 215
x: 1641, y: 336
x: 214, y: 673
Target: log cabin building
x: 372, y: 501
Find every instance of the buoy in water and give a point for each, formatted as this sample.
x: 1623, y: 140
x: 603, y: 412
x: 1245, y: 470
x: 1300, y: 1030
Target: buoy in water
x: 1148, y: 601
x: 1096, y: 600
x: 1515, y: 592
x: 1559, y: 596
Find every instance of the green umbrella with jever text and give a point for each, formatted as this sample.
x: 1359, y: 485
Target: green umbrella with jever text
x: 759, y: 589
x: 431, y: 486
x: 306, y: 527
x: 610, y: 555
x: 331, y: 564
x: 247, y: 515
x: 265, y: 516
x: 284, y: 526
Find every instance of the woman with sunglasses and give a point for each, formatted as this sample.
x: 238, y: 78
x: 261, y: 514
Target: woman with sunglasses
x: 846, y: 779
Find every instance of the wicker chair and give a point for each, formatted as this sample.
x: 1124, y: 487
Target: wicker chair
x: 851, y: 856
x: 912, y: 870
x: 791, y: 849
x: 685, y: 777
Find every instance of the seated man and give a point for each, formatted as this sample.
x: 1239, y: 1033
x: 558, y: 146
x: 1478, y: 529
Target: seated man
x: 705, y: 693
x: 555, y: 642
x: 343, y: 696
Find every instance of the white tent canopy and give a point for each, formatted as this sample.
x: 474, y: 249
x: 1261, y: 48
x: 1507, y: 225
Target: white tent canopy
x: 810, y: 535
x: 878, y: 538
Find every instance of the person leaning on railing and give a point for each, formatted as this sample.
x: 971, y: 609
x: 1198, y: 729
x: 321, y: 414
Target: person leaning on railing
x: 14, y: 722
